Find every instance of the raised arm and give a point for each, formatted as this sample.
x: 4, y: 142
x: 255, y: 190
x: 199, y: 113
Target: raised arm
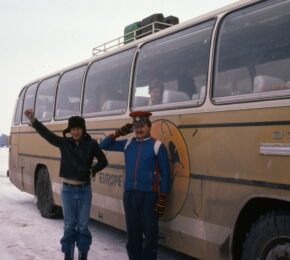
x: 110, y: 143
x: 42, y: 130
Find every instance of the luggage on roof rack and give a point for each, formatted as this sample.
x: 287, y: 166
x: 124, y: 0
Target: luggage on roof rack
x: 149, y: 25
x: 159, y: 18
x: 131, y: 32
x: 171, y: 20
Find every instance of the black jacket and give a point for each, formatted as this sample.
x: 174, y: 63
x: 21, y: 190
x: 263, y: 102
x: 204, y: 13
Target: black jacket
x: 76, y: 160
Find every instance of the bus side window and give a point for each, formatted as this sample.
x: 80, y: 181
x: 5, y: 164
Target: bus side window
x: 178, y: 63
x: 253, y: 57
x: 29, y: 101
x: 18, y: 110
x: 107, y: 84
x: 45, y: 99
x: 69, y: 93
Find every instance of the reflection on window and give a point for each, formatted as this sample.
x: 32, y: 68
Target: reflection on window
x: 173, y: 69
x: 29, y: 100
x: 141, y: 96
x: 45, y: 99
x: 18, y: 109
x: 253, y: 52
x: 107, y: 84
x: 69, y: 93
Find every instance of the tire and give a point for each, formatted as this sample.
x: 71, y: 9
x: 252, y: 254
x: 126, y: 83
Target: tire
x: 44, y: 196
x: 269, y: 238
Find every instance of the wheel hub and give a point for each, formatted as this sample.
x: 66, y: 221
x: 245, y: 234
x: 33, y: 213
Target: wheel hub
x: 277, y: 249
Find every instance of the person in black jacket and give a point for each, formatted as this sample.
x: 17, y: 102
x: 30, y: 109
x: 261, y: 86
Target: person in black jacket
x: 76, y: 168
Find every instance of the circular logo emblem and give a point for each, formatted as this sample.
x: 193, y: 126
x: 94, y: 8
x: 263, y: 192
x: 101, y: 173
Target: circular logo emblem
x: 170, y: 136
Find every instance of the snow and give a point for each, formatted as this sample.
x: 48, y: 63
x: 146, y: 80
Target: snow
x: 25, y: 235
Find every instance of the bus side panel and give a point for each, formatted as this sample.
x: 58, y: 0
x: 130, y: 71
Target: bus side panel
x: 185, y: 232
x: 236, y: 168
x: 35, y: 151
x: 182, y: 227
x: 107, y: 204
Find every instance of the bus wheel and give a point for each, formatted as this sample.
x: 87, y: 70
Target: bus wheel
x: 44, y: 196
x: 269, y: 238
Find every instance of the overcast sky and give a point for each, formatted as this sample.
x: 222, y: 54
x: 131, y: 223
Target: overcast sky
x: 41, y: 36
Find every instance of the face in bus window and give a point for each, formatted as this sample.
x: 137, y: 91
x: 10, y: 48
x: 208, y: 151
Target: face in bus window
x: 155, y: 92
x: 142, y: 132
x: 76, y: 133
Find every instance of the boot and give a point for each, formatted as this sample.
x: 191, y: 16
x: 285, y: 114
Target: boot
x: 69, y: 255
x: 83, y: 256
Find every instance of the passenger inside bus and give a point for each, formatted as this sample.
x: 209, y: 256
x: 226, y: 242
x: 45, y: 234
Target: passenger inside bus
x: 186, y: 84
x: 181, y: 88
x: 156, y: 89
x: 170, y: 85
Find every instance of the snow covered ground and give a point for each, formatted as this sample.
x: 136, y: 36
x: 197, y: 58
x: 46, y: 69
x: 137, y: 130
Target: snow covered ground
x: 25, y: 235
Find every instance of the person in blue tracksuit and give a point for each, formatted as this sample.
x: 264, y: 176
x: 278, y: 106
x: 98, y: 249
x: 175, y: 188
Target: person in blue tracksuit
x: 146, y: 184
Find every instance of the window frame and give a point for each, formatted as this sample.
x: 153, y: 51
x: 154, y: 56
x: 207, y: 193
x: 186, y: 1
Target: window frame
x: 242, y: 98
x: 182, y: 104
x: 54, y: 98
x: 110, y: 112
x: 171, y: 106
x: 57, y: 88
x: 26, y: 88
x: 15, y: 110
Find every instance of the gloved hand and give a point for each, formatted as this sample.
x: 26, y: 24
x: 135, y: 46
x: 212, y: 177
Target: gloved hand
x: 160, y: 205
x: 124, y: 130
x: 29, y: 113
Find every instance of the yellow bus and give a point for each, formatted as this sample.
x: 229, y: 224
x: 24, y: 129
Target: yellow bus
x: 224, y: 117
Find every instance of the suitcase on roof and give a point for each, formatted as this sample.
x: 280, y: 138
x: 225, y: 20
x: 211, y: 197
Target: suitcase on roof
x: 171, y: 20
x: 129, y: 32
x: 149, y: 20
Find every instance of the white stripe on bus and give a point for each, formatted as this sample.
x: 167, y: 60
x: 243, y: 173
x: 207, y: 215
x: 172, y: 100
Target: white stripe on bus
x: 198, y: 228
x: 189, y: 226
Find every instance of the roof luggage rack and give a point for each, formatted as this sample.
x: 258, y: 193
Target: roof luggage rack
x: 131, y: 36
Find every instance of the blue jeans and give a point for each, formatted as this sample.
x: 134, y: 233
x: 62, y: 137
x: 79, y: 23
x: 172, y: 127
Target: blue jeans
x: 141, y: 218
x: 76, y: 204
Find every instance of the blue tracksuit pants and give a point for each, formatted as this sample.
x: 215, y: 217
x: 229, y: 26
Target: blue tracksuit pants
x: 141, y: 218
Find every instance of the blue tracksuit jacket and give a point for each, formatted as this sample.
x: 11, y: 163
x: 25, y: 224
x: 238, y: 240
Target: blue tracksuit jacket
x: 146, y: 163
